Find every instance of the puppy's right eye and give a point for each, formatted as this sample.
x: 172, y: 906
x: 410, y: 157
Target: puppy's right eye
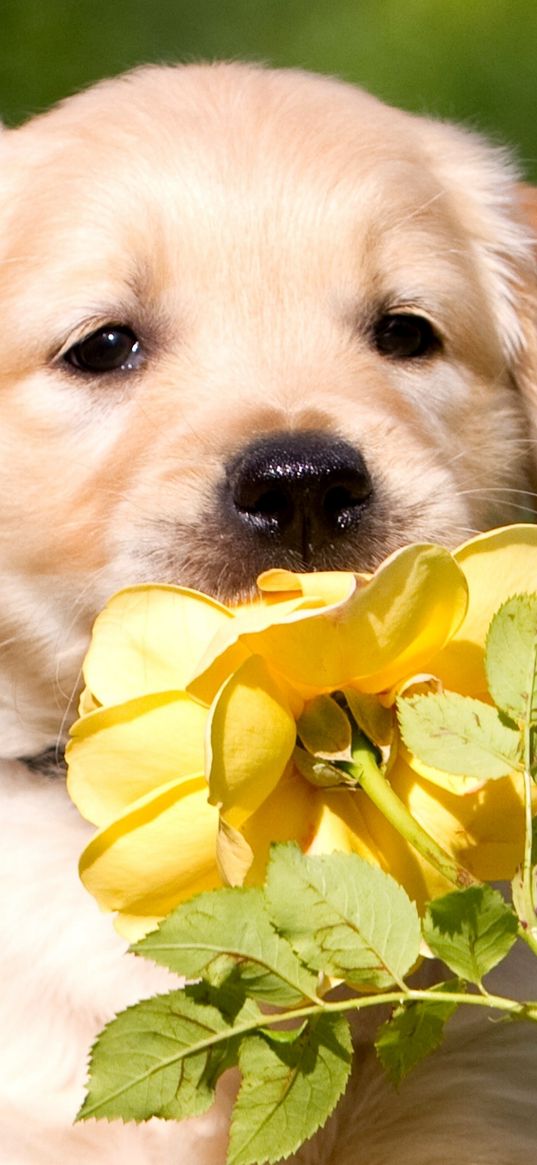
x: 111, y: 348
x: 405, y: 336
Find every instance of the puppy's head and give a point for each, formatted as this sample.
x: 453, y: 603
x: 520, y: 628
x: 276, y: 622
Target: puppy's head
x: 249, y: 318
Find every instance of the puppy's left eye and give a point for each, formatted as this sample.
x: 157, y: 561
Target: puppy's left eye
x: 111, y: 348
x: 404, y: 336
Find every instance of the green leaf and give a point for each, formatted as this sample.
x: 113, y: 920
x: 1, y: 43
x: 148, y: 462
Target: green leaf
x: 457, y: 734
x: 284, y: 1035
x: 162, y: 1058
x: 471, y: 930
x: 228, y: 931
x: 325, y: 729
x: 522, y: 888
x: 288, y: 1090
x: 511, y: 657
x: 343, y: 916
x: 414, y: 1030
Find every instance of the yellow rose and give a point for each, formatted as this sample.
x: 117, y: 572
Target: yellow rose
x: 186, y: 758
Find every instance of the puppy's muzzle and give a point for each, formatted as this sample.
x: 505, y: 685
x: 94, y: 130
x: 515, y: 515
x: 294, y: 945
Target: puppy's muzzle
x: 300, y: 492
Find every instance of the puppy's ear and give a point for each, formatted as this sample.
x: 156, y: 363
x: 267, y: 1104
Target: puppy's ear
x: 499, y: 217
x: 525, y: 365
x: 527, y: 196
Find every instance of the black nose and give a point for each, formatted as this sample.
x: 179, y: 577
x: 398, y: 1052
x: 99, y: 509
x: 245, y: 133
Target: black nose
x: 299, y: 490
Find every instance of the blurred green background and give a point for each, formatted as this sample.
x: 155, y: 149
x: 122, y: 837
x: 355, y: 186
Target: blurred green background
x: 472, y: 60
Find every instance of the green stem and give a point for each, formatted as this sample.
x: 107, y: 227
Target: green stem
x: 378, y: 788
x: 528, y: 921
x: 358, y: 1003
x: 499, y: 1002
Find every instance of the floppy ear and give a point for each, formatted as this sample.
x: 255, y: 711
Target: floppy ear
x: 499, y: 216
x: 527, y: 196
x: 525, y: 366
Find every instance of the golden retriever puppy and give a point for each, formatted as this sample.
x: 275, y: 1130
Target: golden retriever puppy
x: 248, y: 318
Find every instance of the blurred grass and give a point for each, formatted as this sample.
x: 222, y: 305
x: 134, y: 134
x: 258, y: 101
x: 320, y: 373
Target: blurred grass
x: 471, y: 60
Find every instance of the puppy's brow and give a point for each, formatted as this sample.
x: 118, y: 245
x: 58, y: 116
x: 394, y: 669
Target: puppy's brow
x: 139, y: 283
x: 88, y: 318
x: 417, y: 212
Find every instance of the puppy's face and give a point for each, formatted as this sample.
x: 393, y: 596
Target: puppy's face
x: 248, y: 319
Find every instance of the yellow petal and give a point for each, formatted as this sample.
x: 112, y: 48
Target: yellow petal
x: 343, y: 826
x: 119, y: 754
x: 496, y: 565
x: 234, y: 856
x: 156, y: 855
x: 290, y: 813
x: 150, y: 639
x: 386, y: 630
x: 324, y: 588
x: 282, y: 594
x: 483, y: 830
x: 252, y: 734
x: 319, y: 821
x: 135, y: 926
x: 87, y: 703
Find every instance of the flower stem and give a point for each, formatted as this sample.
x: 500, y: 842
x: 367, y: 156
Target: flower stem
x: 378, y: 788
x: 526, y: 898
x: 512, y: 1007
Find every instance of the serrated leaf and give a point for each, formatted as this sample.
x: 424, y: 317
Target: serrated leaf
x: 413, y: 1031
x: 460, y: 735
x: 524, y: 890
x: 471, y: 930
x: 222, y: 930
x: 343, y: 916
x: 511, y: 657
x: 284, y: 1035
x: 162, y: 1058
x: 325, y: 729
x: 288, y: 1090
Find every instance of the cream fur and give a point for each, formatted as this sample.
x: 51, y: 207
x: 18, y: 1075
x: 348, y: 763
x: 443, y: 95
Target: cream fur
x: 247, y: 223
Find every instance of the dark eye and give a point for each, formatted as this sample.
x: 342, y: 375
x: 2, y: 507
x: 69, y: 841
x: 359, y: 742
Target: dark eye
x: 110, y: 348
x: 404, y: 336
